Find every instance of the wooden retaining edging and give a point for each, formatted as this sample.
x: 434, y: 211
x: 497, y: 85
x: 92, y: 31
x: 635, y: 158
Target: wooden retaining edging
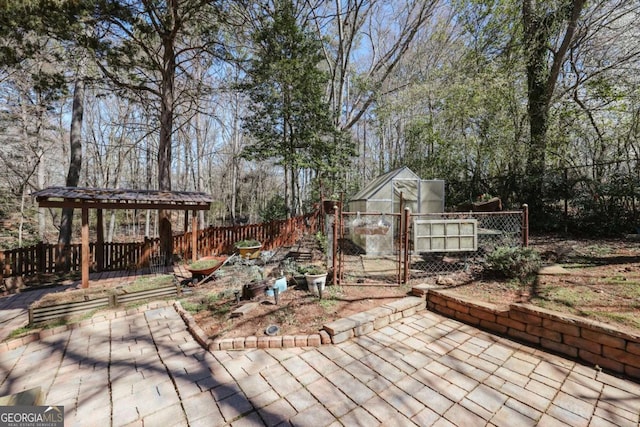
x: 52, y: 312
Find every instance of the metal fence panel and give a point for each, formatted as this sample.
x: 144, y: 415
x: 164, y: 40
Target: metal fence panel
x: 494, y: 229
x: 377, y: 247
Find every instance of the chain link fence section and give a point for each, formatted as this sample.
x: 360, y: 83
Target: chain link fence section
x: 368, y: 247
x: 492, y: 230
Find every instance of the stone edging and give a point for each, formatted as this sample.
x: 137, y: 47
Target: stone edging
x: 593, y: 342
x: 332, y: 333
x: 362, y: 323
x: 240, y: 343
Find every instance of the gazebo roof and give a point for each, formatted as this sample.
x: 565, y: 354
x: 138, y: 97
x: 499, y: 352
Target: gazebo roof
x: 109, y: 198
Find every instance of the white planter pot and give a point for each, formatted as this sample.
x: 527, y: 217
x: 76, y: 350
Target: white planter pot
x: 316, y: 282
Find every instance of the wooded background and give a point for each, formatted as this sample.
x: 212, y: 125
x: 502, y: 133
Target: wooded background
x: 269, y: 105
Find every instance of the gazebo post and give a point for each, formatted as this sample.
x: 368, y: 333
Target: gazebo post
x: 85, y: 247
x: 194, y: 235
x: 100, y: 242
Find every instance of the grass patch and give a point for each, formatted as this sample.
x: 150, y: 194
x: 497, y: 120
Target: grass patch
x: 569, y: 297
x: 624, y: 288
x: 577, y: 265
x: 25, y: 330
x: 148, y: 282
x: 285, y: 316
x: 204, y: 264
x: 328, y: 304
x: 222, y: 309
x: 218, y: 303
x: 629, y: 319
x: 193, y: 307
x: 597, y: 250
x: 330, y: 297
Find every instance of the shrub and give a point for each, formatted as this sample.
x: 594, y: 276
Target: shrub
x: 276, y: 209
x: 322, y: 241
x: 312, y: 269
x: 514, y: 262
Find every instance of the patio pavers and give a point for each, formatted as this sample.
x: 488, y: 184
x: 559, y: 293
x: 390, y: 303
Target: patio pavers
x: 425, y: 369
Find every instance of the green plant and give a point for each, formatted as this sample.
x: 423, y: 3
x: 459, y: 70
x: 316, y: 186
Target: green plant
x: 330, y: 298
x: 204, y: 264
x: 328, y: 304
x: 285, y: 315
x: 312, y: 269
x: 321, y: 240
x: 212, y: 298
x: 514, y: 262
x: 21, y: 331
x: 276, y: 209
x: 290, y: 267
x: 221, y: 309
x: 247, y: 243
x: 193, y: 307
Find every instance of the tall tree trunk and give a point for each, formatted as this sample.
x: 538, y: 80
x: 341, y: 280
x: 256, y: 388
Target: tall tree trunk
x: 164, y: 147
x: 73, y: 174
x: 540, y: 27
x: 149, y: 180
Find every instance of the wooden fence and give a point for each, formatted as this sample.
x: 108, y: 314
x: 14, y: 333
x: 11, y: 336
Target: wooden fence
x: 41, y: 258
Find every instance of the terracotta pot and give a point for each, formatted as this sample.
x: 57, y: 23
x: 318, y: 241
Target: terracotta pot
x: 250, y: 251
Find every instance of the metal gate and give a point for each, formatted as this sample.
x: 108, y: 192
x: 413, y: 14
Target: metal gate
x: 393, y: 248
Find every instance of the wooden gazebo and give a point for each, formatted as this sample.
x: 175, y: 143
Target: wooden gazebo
x: 107, y: 198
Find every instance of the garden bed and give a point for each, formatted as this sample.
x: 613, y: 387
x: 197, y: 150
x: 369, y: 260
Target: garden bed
x: 298, y: 311
x: 600, y: 281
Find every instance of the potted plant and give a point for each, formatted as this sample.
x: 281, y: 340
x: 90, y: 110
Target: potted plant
x: 292, y: 271
x: 316, y: 278
x: 249, y: 248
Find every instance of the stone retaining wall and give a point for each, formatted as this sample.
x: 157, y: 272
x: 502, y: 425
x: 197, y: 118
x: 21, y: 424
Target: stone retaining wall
x: 593, y: 342
x: 362, y: 323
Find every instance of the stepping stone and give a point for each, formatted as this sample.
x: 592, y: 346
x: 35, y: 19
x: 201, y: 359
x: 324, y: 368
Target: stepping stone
x: 243, y: 309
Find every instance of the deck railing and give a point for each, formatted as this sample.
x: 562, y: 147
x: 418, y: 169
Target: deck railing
x: 41, y: 258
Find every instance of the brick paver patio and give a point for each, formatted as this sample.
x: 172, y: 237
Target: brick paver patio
x: 146, y: 369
